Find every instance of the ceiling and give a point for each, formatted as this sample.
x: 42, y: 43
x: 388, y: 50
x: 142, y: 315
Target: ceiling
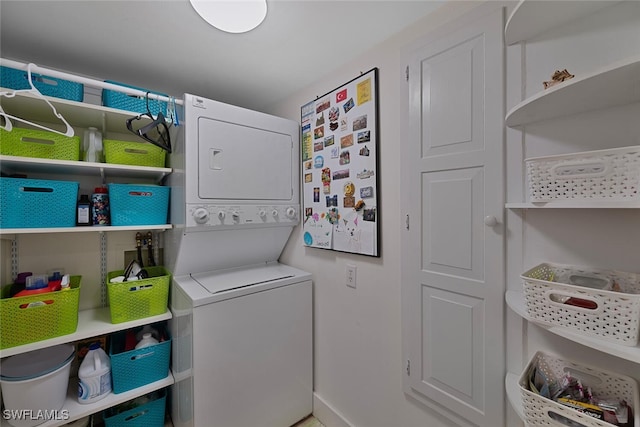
x: 164, y: 45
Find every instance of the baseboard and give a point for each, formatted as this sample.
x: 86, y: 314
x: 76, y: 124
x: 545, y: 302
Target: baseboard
x: 328, y: 416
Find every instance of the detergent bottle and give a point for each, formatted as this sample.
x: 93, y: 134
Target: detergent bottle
x: 94, y: 375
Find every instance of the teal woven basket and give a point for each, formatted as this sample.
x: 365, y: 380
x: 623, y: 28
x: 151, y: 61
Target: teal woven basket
x: 48, y: 86
x: 138, y: 104
x: 37, y: 203
x: 133, y: 204
x: 138, y: 367
x: 131, y: 414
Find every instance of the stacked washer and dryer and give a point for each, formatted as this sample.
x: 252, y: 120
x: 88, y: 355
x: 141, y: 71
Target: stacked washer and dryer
x: 242, y: 321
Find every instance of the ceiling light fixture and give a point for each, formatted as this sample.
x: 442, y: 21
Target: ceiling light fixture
x: 232, y: 16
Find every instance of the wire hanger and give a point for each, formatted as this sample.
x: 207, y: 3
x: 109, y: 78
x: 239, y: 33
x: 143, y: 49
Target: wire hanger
x: 10, y: 94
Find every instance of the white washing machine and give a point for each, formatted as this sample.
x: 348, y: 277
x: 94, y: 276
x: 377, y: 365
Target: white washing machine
x: 242, y: 321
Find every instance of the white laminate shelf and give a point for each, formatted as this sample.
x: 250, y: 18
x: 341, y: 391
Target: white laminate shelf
x: 17, y: 164
x: 91, y: 323
x: 614, y: 85
x: 514, y: 396
x: 575, y: 205
x: 515, y: 301
x: 8, y: 233
x: 77, y: 410
x: 531, y: 18
x: 78, y: 114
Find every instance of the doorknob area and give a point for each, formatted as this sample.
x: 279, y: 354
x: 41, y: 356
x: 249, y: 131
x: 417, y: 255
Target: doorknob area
x: 490, y: 220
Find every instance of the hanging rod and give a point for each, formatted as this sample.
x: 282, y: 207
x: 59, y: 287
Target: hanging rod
x: 87, y: 81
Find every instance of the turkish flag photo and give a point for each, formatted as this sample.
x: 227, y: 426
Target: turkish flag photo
x: 341, y: 96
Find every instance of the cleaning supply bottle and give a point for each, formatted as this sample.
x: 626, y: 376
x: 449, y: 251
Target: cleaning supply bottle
x: 146, y: 341
x: 100, y: 206
x: 94, y: 375
x: 147, y: 329
x: 92, y: 145
x: 84, y: 211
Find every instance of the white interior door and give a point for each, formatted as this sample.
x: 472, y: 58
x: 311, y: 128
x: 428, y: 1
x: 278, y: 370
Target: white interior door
x: 453, y: 245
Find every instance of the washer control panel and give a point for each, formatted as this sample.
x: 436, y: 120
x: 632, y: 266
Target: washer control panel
x: 232, y: 215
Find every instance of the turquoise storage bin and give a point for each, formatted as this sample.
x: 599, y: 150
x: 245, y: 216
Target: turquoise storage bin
x: 138, y: 104
x: 49, y: 86
x: 149, y: 414
x: 37, y: 203
x: 135, y: 368
x: 134, y: 204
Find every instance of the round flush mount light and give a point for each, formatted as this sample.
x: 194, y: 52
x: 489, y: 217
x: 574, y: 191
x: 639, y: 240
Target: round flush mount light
x: 232, y: 16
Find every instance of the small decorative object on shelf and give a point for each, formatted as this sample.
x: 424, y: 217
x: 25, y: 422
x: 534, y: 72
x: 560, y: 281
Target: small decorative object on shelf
x: 558, y: 77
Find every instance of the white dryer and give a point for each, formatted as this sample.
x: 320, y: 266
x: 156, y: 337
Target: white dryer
x: 242, y: 321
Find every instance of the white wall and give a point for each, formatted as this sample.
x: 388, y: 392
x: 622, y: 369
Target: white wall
x: 358, y: 348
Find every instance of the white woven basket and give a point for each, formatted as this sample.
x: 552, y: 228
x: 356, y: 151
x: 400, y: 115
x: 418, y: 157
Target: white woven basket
x: 540, y: 411
x: 603, y: 175
x: 612, y: 316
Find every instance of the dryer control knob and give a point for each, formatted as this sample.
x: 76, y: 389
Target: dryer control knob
x: 275, y: 213
x: 221, y: 215
x: 236, y: 216
x: 262, y: 214
x: 201, y: 215
x: 291, y: 212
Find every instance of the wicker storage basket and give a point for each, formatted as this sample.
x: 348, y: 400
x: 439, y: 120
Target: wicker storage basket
x: 583, y: 300
x: 138, y: 299
x: 38, y: 317
x: 604, y: 175
x: 39, y: 143
x: 133, y: 153
x: 540, y: 411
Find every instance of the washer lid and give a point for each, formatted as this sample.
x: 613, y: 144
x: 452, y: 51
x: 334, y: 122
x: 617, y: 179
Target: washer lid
x: 35, y: 363
x: 232, y: 279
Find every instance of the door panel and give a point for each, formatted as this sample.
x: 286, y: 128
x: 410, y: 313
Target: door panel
x: 452, y: 263
x: 455, y: 368
x: 454, y: 95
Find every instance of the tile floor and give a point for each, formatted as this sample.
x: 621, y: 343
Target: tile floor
x: 310, y: 421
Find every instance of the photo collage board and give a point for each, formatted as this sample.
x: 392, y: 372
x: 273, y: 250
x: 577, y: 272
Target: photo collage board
x: 339, y: 168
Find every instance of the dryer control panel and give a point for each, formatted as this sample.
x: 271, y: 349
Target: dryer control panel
x: 238, y: 215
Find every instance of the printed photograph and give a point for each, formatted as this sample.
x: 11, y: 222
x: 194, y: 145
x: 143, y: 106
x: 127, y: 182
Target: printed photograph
x: 360, y: 122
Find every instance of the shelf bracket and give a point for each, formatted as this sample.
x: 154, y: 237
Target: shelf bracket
x: 14, y: 258
x: 103, y: 268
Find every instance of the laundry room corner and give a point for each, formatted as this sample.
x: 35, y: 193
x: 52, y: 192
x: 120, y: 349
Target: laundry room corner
x: 358, y: 362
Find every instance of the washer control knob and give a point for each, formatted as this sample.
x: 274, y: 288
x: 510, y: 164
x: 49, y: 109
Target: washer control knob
x: 221, y: 215
x: 275, y: 213
x: 291, y: 212
x: 201, y: 215
x: 262, y: 213
x: 236, y: 216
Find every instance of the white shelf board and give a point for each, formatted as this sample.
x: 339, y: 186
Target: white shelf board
x: 90, y: 229
x: 13, y: 164
x: 575, y: 205
x: 608, y: 87
x: 91, y: 323
x: 515, y: 301
x: 78, y: 410
x: 531, y: 18
x: 27, y: 105
x: 514, y: 396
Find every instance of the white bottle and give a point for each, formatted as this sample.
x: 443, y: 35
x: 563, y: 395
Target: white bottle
x: 92, y: 145
x: 94, y: 375
x: 146, y: 341
x: 147, y: 329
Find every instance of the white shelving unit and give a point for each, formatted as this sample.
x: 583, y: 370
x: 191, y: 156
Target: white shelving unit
x: 609, y: 87
x: 613, y: 85
x: 515, y: 301
x: 91, y: 323
x: 531, y: 18
x: 96, y: 321
x: 77, y: 410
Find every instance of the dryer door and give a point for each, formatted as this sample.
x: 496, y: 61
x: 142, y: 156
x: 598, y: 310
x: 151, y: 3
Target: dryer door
x: 243, y: 163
